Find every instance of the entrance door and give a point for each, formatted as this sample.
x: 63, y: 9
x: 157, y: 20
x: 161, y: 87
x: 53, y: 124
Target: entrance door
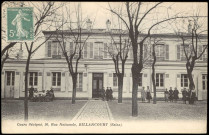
x: 10, y: 81
x: 97, y: 85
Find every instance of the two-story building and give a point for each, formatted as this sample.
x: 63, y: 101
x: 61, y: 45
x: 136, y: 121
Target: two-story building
x: 96, y: 68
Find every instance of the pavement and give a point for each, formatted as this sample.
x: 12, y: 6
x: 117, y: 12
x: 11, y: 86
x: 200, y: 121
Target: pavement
x: 94, y: 111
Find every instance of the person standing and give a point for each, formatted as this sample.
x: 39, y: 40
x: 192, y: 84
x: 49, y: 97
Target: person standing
x: 166, y: 95
x: 176, y: 94
x: 184, y: 95
x: 107, y: 93
x: 111, y: 96
x: 171, y: 94
x: 143, y: 95
x: 103, y: 94
x: 149, y: 97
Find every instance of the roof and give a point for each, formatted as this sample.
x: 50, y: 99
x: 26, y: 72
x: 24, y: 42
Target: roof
x: 115, y: 32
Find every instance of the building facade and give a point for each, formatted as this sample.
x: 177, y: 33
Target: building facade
x: 96, y: 69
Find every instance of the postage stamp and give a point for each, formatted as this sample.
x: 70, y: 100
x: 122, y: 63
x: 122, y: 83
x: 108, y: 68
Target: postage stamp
x: 20, y: 25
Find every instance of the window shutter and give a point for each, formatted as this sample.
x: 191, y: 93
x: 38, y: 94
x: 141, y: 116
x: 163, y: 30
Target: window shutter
x: 85, y: 50
x: 166, y: 52
x: 178, y: 52
x: 199, y: 51
x: 46, y: 49
x: 91, y: 50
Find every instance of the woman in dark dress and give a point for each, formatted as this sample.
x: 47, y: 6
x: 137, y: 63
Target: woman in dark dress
x: 175, y: 95
x: 149, y: 97
x: 171, y: 94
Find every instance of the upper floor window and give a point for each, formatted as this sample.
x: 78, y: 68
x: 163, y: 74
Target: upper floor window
x: 98, y: 50
x: 162, y: 51
x: 205, y: 54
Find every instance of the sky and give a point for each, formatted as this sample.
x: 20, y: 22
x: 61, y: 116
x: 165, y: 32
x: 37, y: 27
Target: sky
x: 99, y: 13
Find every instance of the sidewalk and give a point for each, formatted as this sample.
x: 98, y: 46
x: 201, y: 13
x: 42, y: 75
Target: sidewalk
x: 94, y: 111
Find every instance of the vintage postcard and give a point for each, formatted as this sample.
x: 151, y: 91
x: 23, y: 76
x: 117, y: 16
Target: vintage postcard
x: 104, y: 67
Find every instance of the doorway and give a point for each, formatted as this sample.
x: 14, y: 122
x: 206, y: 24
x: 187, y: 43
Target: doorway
x: 9, y: 86
x: 97, y: 85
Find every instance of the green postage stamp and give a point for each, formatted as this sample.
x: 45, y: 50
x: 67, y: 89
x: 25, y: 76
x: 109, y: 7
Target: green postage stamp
x: 20, y: 25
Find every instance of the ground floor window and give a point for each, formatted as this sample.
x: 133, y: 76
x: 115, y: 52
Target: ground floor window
x: 184, y: 80
x: 80, y: 82
x: 204, y: 82
x: 33, y: 78
x: 159, y: 80
x: 56, y: 79
x: 10, y: 78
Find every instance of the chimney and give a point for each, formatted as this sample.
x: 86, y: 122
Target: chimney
x: 20, y: 53
x: 108, y: 24
x: 190, y: 27
x: 88, y: 24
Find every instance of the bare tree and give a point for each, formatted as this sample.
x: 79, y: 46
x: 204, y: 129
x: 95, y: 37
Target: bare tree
x: 193, y: 45
x: 43, y: 13
x: 118, y: 50
x: 77, y: 35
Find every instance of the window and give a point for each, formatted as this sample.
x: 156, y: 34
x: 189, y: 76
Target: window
x: 140, y: 80
x: 204, y: 82
x: 10, y: 78
x: 79, y: 81
x: 180, y: 52
x: 115, y: 80
x: 33, y: 78
x: 56, y: 78
x: 205, y: 54
x: 56, y: 49
x: 98, y: 50
x: 184, y: 80
x: 105, y: 50
x: 49, y: 49
x: 160, y: 52
x: 159, y: 80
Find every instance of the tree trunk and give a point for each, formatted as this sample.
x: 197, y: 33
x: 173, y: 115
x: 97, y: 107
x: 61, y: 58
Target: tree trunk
x: 74, y: 78
x: 26, y: 87
x: 120, y: 88
x: 153, y: 75
x: 136, y: 69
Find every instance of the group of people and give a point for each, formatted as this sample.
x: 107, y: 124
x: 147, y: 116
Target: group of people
x: 146, y: 94
x: 35, y: 95
x: 171, y: 95
x: 174, y: 95
x: 107, y: 94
